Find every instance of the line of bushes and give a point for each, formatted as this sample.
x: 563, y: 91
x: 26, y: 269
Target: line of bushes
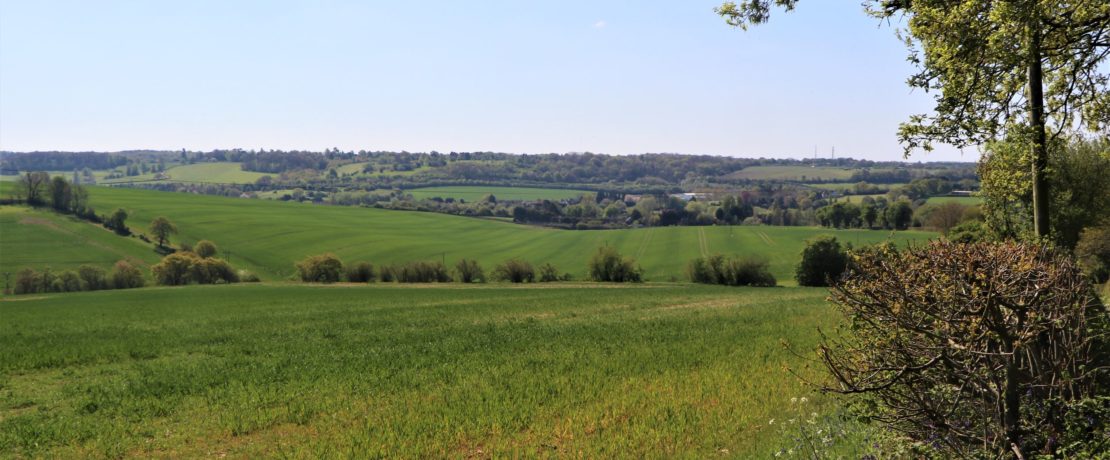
x: 734, y: 271
x: 124, y: 275
x: 197, y: 265
x: 327, y: 268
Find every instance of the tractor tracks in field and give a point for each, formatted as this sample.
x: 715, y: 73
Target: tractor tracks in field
x: 703, y: 242
x: 644, y: 243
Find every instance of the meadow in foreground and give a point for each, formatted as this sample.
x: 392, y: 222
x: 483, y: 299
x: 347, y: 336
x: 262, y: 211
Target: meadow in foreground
x: 405, y: 371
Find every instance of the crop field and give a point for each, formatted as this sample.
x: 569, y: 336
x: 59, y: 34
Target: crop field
x: 215, y: 172
x: 40, y: 239
x: 475, y: 193
x: 964, y: 200
x: 793, y: 173
x: 269, y: 236
x: 367, y: 371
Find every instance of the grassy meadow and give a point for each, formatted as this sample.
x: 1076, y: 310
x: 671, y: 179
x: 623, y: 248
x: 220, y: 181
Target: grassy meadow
x: 269, y: 236
x: 40, y: 239
x: 793, y: 173
x: 964, y: 200
x: 475, y: 193
x: 224, y: 172
x: 302, y: 371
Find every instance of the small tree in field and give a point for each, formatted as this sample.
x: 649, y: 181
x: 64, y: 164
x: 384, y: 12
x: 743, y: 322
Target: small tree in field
x: 324, y: 268
x: 974, y: 350
x: 162, y: 228
x: 361, y: 272
x: 127, y: 276
x: 823, y: 260
x: 515, y: 271
x: 608, y: 265
x: 469, y: 271
x: 205, y: 249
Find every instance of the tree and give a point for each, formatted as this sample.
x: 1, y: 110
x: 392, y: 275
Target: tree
x: 607, y: 265
x: 162, y: 228
x: 899, y: 215
x: 61, y: 194
x: 999, y: 68
x: 515, y: 271
x: 974, y: 350
x: 324, y: 268
x: 469, y: 271
x: 118, y: 221
x: 823, y: 261
x: 1093, y: 252
x: 33, y: 186
x: 174, y: 269
x: 205, y: 249
x: 946, y: 216
x: 127, y: 276
x: 361, y: 272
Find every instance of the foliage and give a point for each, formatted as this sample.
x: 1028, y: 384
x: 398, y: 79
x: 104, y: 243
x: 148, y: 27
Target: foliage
x: 205, y: 249
x: 247, y: 276
x: 174, y: 269
x: 162, y: 228
x: 212, y: 271
x: 549, y: 274
x: 324, y: 268
x: 416, y: 272
x: 117, y: 222
x: 973, y: 350
x: 514, y: 271
x: 469, y: 271
x: 93, y: 278
x: 946, y: 216
x: 360, y: 272
x: 969, y: 232
x: 1093, y: 252
x: 823, y: 261
x: 734, y: 271
x: 607, y: 265
x: 1080, y: 175
x: 126, y: 275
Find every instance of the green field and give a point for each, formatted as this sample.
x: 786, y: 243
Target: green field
x: 793, y: 173
x: 40, y: 239
x: 269, y: 236
x: 965, y: 200
x: 475, y: 193
x: 300, y: 371
x: 216, y: 172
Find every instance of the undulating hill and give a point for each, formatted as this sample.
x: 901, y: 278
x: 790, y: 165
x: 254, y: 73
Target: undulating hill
x: 269, y: 236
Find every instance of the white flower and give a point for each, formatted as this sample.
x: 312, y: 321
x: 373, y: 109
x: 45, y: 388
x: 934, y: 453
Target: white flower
x: 804, y: 400
x: 772, y: 422
x: 793, y: 400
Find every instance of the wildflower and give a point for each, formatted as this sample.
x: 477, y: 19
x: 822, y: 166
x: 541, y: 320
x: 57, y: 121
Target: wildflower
x: 794, y: 400
x: 804, y: 400
x: 772, y: 422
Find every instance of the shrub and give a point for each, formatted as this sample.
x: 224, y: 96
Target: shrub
x: 422, y: 272
x: 26, y: 282
x: 823, y: 260
x: 67, y: 281
x: 548, y: 273
x: 324, y: 268
x: 205, y: 249
x: 127, y: 276
x: 248, y: 276
x: 608, y: 265
x: 739, y: 271
x: 469, y: 271
x: 92, y: 278
x: 361, y: 272
x: 387, y: 274
x: 212, y: 271
x: 515, y: 271
x: 175, y: 269
x: 974, y: 350
x: 184, y: 247
x: 1093, y: 251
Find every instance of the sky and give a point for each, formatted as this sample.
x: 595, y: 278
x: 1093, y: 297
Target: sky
x: 615, y: 77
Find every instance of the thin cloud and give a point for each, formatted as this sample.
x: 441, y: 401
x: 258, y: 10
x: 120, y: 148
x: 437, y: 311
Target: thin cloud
x: 599, y: 24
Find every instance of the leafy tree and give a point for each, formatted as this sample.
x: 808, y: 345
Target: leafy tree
x: 174, y: 269
x: 162, y: 228
x: 469, y: 271
x: 117, y: 221
x: 33, y: 186
x: 324, y: 268
x: 127, y: 276
x: 515, y: 271
x: 899, y: 215
x: 738, y: 271
x: 972, y: 350
x: 607, y: 265
x: 946, y: 216
x: 361, y: 272
x: 549, y: 274
x: 205, y: 249
x: 1093, y: 252
x: 92, y: 277
x: 61, y: 194
x: 823, y: 261
x: 998, y: 68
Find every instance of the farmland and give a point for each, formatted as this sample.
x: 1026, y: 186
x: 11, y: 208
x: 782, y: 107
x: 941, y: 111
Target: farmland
x: 473, y: 193
x: 793, y: 173
x: 964, y: 200
x: 365, y: 371
x: 45, y: 239
x: 269, y: 236
x: 215, y: 172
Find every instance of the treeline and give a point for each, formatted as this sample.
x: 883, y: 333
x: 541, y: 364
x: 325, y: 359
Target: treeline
x: 14, y: 163
x: 124, y: 275
x: 606, y: 265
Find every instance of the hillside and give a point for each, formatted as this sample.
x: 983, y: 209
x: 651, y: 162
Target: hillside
x: 269, y: 236
x: 39, y: 239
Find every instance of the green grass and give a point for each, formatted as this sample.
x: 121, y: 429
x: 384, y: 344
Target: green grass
x: 475, y: 193
x: 851, y: 185
x: 217, y: 172
x: 794, y: 173
x: 267, y: 236
x: 965, y: 200
x: 857, y: 199
x: 300, y: 371
x: 40, y: 239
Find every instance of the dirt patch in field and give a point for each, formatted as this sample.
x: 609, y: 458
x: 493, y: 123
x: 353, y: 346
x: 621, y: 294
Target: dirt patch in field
x: 43, y: 222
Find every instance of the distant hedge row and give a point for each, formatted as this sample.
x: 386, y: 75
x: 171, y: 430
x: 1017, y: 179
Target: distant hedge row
x: 606, y: 265
x: 124, y: 275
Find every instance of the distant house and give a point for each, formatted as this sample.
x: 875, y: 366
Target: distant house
x: 629, y: 198
x: 245, y: 195
x: 161, y: 176
x: 961, y: 193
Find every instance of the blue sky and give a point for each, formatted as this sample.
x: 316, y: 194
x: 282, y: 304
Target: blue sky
x: 525, y: 77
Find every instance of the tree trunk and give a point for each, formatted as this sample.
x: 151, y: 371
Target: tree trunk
x: 1011, y: 418
x: 1037, y: 124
